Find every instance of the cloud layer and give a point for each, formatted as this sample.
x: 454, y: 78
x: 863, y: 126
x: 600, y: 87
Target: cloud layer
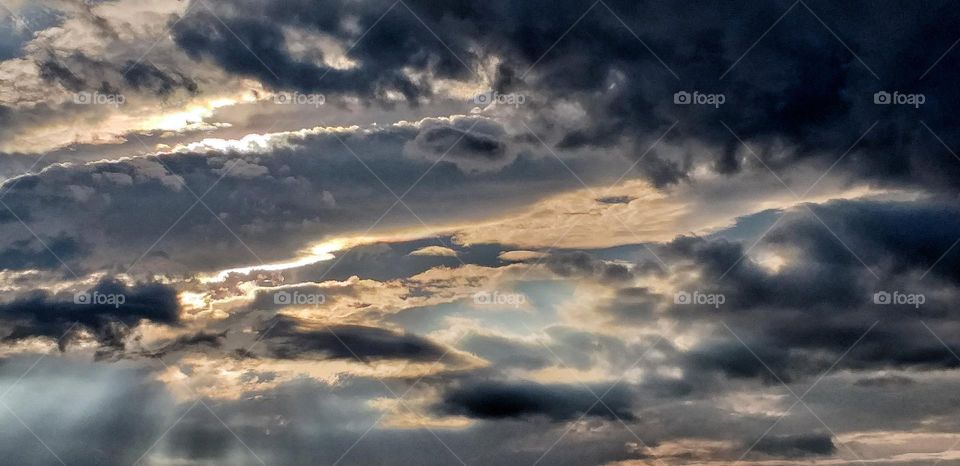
x: 282, y: 232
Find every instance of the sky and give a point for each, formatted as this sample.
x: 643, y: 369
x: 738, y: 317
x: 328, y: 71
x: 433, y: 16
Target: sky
x: 601, y: 232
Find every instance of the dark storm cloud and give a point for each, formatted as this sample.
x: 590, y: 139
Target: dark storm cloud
x: 822, y: 300
x: 499, y: 400
x: 799, y: 94
x: 289, y: 339
x: 205, y: 34
x: 796, y: 446
x: 799, y: 97
x: 902, y: 237
x: 896, y: 240
x: 40, y: 313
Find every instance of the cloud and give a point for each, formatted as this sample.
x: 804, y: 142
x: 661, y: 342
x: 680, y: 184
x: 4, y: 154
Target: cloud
x: 290, y: 339
x: 52, y: 71
x: 107, y: 311
x: 525, y: 388
x: 822, y: 298
x: 497, y: 400
x: 108, y: 414
x: 33, y: 253
x: 472, y: 144
x: 205, y: 34
x: 520, y: 256
x: 601, y: 267
x: 146, y: 76
x: 796, y: 98
x: 794, y: 446
x: 615, y: 199
x: 505, y: 352
x: 434, y: 251
x: 580, y: 264
x: 192, y: 342
x: 274, y: 198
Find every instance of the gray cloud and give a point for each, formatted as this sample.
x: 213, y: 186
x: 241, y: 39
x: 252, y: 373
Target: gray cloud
x: 290, y: 340
x: 517, y: 399
x: 699, y: 383
x: 107, y: 310
x: 276, y: 200
x: 792, y: 446
x: 807, y: 91
x: 472, y: 144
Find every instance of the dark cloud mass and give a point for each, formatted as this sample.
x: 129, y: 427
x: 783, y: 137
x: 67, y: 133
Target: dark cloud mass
x: 473, y: 144
x: 501, y: 232
x: 804, y: 85
x: 109, y: 213
x: 493, y: 400
x: 78, y: 72
x: 147, y: 76
x: 107, y: 310
x: 796, y: 446
x: 292, y: 340
x: 823, y: 300
x: 579, y: 264
x: 206, y: 34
